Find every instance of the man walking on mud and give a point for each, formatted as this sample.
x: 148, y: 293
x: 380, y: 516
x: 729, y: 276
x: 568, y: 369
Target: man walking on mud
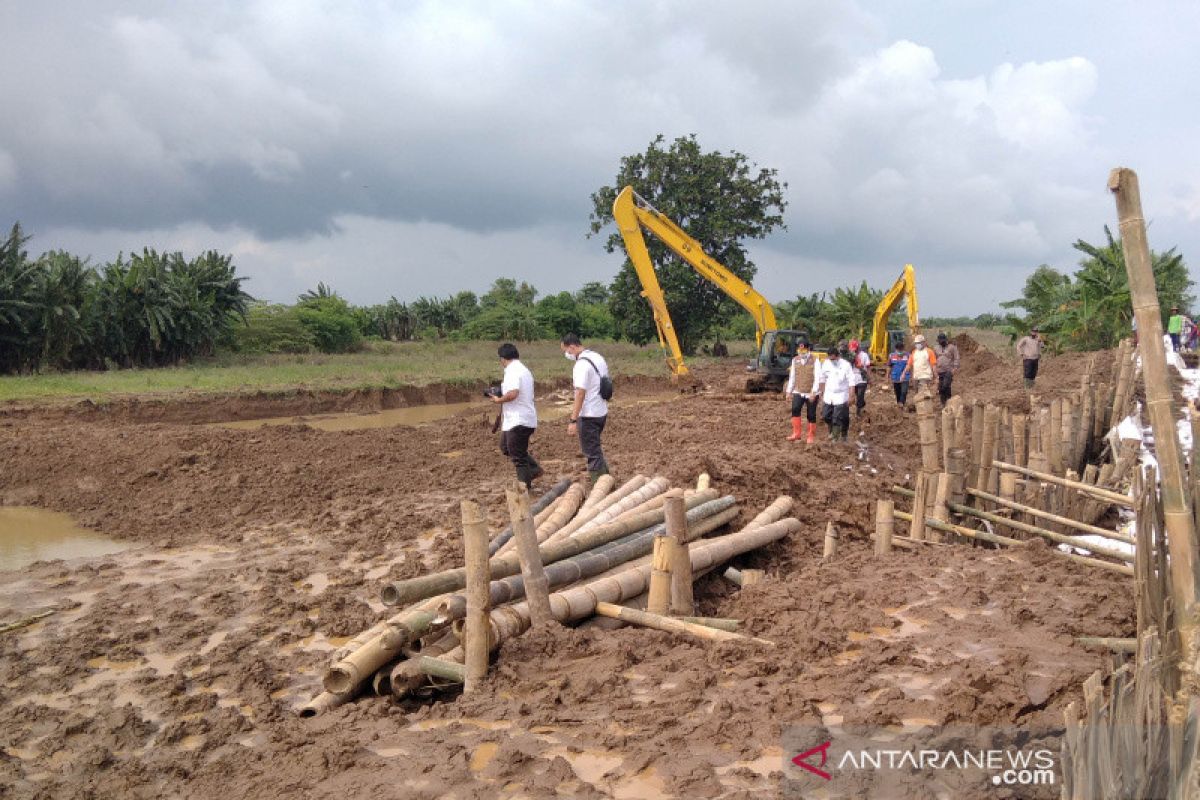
x: 946, y: 353
x: 518, y: 416
x: 801, y: 392
x: 834, y: 381
x: 1029, y: 350
x: 589, y: 412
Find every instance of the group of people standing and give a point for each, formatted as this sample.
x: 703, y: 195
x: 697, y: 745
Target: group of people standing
x: 589, y: 409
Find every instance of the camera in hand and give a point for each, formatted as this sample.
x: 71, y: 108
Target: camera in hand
x: 492, y: 391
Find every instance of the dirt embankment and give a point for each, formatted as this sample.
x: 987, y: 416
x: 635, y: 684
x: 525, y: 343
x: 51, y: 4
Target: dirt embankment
x: 171, y: 668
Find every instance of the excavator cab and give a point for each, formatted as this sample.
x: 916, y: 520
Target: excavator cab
x: 774, y: 359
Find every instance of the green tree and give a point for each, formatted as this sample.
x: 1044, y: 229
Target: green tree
x: 506, y: 291
x: 720, y: 200
x: 330, y: 320
x: 559, y: 314
x: 18, y: 309
x: 593, y: 293
x: 851, y: 312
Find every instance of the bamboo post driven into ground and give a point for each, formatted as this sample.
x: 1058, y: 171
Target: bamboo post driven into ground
x: 1181, y: 532
x: 987, y: 449
x: 976, y: 454
x: 682, y: 602
x: 830, y: 541
x: 917, y: 529
x: 955, y: 468
x: 947, y: 432
x: 1020, y: 451
x: 537, y: 588
x: 1054, y: 452
x: 927, y: 434
x: 941, y: 505
x: 658, y: 600
x: 885, y: 526
x: 475, y: 550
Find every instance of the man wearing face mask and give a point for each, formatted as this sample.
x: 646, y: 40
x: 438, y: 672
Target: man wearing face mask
x: 833, y: 382
x: 921, y: 365
x: 948, y: 360
x: 589, y: 412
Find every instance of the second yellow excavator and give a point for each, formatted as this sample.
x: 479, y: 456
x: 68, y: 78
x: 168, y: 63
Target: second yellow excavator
x: 775, y: 347
x: 883, y: 340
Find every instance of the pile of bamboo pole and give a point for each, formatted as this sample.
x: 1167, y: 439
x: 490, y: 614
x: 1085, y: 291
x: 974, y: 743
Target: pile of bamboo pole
x: 990, y: 474
x: 571, y: 555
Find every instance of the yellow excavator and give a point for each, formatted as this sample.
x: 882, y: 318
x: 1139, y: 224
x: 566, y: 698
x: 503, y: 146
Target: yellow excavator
x: 775, y: 347
x: 883, y: 340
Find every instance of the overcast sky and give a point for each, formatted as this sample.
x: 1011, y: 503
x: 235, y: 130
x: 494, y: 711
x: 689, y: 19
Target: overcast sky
x: 415, y: 149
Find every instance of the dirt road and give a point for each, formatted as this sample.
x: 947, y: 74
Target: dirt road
x: 171, y: 669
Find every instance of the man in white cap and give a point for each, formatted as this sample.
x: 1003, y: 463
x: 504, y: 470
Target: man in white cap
x: 921, y: 365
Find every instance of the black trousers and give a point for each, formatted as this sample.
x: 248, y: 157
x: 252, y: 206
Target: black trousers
x: 945, y: 379
x: 514, y: 443
x: 837, y: 417
x: 589, y: 429
x: 1031, y: 368
x: 799, y: 401
x: 860, y: 397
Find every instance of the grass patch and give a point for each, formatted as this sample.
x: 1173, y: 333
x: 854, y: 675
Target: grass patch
x: 380, y: 364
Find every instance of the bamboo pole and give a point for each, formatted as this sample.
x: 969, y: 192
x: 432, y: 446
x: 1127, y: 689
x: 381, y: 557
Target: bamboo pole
x: 349, y: 672
x: 703, y: 482
x: 1008, y: 491
x: 1055, y: 436
x: 977, y: 417
x: 956, y: 468
x: 1102, y: 494
x: 27, y: 621
x: 537, y: 588
x: 586, y: 515
x: 659, y: 599
x: 646, y: 495
x: 1177, y: 516
x: 543, y: 502
x: 927, y: 433
x: 1065, y: 521
x: 1070, y: 420
x: 947, y: 431
x: 987, y: 450
x: 566, y: 508
x: 325, y: 701
x: 830, y: 541
x: 1073, y: 541
x: 1123, y: 569
x: 672, y: 625
x: 475, y: 552
x: 777, y: 510
x: 406, y: 679
x: 1109, y: 643
x: 720, y: 623
x: 917, y: 530
x: 600, y: 489
x: 579, y: 602
x: 1020, y: 451
x: 442, y: 668
x: 413, y: 589
x: 682, y: 602
x: 941, y: 505
x: 885, y: 526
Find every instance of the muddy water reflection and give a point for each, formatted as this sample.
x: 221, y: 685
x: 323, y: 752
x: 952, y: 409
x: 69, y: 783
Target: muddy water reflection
x: 32, y: 534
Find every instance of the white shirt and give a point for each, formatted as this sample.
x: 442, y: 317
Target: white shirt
x: 520, y: 411
x: 588, y: 379
x: 838, y: 377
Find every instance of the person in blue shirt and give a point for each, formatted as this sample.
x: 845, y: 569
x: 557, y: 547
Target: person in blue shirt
x: 897, y: 361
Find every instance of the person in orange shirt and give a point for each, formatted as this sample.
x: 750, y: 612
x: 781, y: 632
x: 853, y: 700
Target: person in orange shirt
x: 922, y: 362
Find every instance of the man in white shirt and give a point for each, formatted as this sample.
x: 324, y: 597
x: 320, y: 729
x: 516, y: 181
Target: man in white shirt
x: 518, y: 417
x: 589, y: 412
x: 834, y: 381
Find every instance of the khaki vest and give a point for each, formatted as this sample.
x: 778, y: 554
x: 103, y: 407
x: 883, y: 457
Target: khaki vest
x: 805, y: 374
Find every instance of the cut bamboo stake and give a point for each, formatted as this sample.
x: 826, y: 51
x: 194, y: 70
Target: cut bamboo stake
x: 917, y: 531
x: 1065, y: 521
x: 682, y: 602
x: 941, y: 505
x: 830, y: 541
x: 947, y: 432
x: 1008, y: 490
x: 885, y: 525
x: 977, y: 414
x: 1073, y: 541
x: 659, y: 599
x: 1109, y: 643
x: 1055, y: 451
x: 956, y: 468
x: 672, y: 625
x: 543, y: 502
x: 1103, y: 494
x: 1019, y: 425
x: 987, y: 451
x: 600, y: 489
x: 438, y: 583
x: 927, y: 434
x: 703, y: 482
x: 476, y: 646
x: 537, y: 588
x: 1177, y: 515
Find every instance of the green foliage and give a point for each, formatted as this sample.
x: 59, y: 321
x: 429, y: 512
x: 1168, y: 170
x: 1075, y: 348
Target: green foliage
x: 1093, y: 309
x: 506, y: 292
x: 506, y: 322
x: 273, y: 329
x: 720, y: 200
x: 985, y: 321
x: 559, y: 314
x: 329, y: 320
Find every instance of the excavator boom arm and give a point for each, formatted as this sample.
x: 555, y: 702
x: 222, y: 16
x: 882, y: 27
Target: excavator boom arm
x: 631, y: 216
x: 905, y: 288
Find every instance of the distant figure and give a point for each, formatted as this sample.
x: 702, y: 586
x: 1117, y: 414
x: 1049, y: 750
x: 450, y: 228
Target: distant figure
x: 519, y: 415
x: 897, y: 362
x: 801, y: 392
x: 719, y: 350
x: 921, y: 364
x: 861, y: 361
x: 590, y: 410
x: 1029, y: 349
x: 1175, y: 326
x: 947, y: 365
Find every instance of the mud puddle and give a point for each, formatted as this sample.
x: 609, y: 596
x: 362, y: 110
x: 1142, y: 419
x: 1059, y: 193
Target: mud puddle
x: 31, y: 534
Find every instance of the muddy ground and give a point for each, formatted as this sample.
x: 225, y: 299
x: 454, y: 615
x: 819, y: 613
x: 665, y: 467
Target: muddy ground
x: 172, y: 669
